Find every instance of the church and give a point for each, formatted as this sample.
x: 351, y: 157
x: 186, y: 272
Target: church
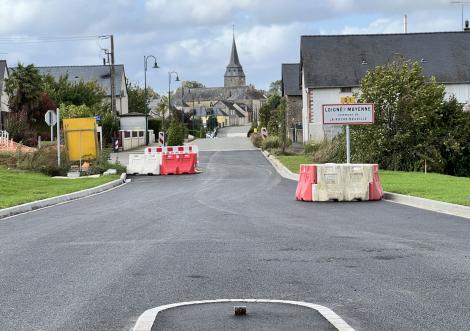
x: 240, y: 103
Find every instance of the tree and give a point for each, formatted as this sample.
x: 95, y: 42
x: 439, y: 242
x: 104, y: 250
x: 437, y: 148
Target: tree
x: 192, y: 84
x: 175, y: 133
x: 267, y: 110
x: 63, y: 91
x: 24, y: 88
x: 275, y: 88
x: 212, y: 123
x: 136, y: 97
x: 26, y: 102
x: 414, y: 122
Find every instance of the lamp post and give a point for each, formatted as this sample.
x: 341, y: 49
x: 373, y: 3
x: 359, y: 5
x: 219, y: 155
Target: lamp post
x: 170, y: 73
x: 155, y: 65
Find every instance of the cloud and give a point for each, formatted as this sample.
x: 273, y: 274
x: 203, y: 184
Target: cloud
x: 194, y: 36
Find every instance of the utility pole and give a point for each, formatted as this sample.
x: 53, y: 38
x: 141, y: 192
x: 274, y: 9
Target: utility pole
x: 113, y: 82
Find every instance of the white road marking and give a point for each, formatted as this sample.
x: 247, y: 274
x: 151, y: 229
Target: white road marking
x: 147, y: 319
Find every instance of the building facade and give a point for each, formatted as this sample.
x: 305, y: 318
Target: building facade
x: 332, y: 67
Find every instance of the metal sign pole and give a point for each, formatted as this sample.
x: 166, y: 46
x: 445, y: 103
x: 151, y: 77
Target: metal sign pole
x: 348, y: 145
x: 52, y: 127
x: 58, y: 137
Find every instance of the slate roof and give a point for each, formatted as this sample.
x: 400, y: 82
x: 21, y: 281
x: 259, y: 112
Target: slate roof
x: 291, y: 79
x: 3, y: 69
x: 230, y: 106
x: 204, y: 111
x: 99, y: 73
x: 218, y: 93
x: 342, y: 60
x: 234, y: 68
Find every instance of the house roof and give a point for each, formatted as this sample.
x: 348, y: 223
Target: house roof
x: 230, y: 106
x: 342, y: 60
x: 218, y: 93
x: 3, y: 69
x: 202, y: 111
x: 291, y: 79
x: 99, y: 73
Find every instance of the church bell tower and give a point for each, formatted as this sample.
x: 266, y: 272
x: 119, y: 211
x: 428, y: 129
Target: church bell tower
x: 234, y: 75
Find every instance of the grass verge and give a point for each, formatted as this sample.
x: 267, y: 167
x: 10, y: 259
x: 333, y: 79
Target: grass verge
x: 20, y: 186
x: 430, y: 186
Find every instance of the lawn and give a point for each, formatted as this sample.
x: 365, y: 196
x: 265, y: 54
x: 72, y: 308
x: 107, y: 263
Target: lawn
x: 431, y: 186
x: 19, y: 186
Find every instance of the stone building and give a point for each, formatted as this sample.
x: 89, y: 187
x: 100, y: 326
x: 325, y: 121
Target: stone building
x: 290, y: 89
x: 235, y: 91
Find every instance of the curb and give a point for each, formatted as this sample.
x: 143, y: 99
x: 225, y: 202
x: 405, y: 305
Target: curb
x: 30, y: 206
x: 428, y: 204
x: 409, y: 200
x: 280, y: 168
x: 147, y: 319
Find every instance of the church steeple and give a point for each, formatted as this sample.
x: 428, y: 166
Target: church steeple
x: 234, y: 75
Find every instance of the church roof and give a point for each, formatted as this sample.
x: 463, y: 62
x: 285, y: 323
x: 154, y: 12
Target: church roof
x: 234, y: 68
x: 234, y: 60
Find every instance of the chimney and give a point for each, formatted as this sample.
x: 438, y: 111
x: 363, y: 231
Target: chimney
x: 467, y: 27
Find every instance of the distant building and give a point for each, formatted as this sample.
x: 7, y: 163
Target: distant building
x: 235, y: 91
x: 332, y: 67
x: 3, y: 95
x: 290, y: 89
x: 101, y: 74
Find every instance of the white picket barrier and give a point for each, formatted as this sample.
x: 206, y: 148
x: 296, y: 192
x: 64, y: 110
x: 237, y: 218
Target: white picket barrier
x: 4, y: 138
x: 136, y: 164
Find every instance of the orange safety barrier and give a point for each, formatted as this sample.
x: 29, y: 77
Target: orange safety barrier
x: 170, y: 164
x: 308, y: 177
x: 376, y: 191
x: 187, y: 163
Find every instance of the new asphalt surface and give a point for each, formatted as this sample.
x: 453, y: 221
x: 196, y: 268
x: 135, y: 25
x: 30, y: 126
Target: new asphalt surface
x: 234, y: 231
x: 260, y: 317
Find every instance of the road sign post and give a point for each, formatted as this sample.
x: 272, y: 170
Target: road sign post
x: 348, y: 114
x: 58, y: 137
x: 51, y: 119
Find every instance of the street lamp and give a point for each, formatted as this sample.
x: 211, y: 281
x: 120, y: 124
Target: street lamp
x: 155, y: 65
x: 170, y: 73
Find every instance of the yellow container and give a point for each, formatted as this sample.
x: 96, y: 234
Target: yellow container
x: 80, y: 138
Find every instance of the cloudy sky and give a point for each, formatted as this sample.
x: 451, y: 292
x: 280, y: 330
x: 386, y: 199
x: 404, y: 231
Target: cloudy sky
x: 193, y: 37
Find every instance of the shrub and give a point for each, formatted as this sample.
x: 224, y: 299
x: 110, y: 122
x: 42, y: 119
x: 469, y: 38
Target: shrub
x: 328, y: 151
x: 43, y: 160
x: 101, y: 164
x: 257, y: 139
x: 271, y: 142
x: 175, y: 133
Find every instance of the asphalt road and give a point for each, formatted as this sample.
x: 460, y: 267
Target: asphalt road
x: 234, y: 231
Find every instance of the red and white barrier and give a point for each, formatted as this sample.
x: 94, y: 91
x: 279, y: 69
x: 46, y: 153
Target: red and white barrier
x: 339, y: 182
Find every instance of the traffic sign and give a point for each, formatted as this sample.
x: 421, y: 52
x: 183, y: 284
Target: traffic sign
x: 264, y: 132
x: 357, y: 113
x: 98, y: 118
x: 50, y: 118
